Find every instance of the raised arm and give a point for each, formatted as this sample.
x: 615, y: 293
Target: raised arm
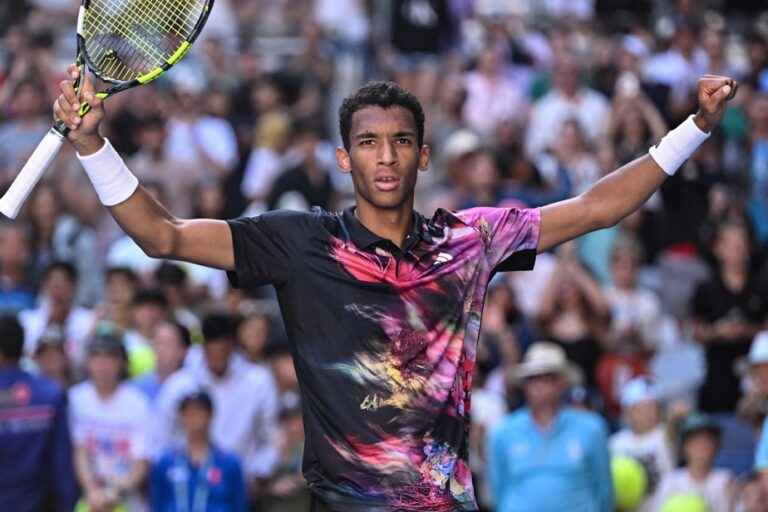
x: 623, y: 191
x: 160, y: 234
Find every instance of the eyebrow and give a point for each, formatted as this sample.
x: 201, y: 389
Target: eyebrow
x: 372, y: 135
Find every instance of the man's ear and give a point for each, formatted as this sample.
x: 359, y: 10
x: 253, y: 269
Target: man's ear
x: 343, y: 160
x: 424, y: 154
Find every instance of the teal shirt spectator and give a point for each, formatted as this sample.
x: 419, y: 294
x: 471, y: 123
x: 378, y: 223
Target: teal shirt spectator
x: 564, y: 468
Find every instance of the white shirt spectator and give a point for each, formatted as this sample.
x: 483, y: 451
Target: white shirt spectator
x: 344, y: 19
x: 213, y: 135
x: 639, y: 309
x: 245, y: 403
x: 671, y: 68
x: 77, y: 329
x: 589, y: 107
x: 264, y: 165
x: 650, y: 449
x: 715, y: 490
x: 114, y: 431
x: 491, y: 102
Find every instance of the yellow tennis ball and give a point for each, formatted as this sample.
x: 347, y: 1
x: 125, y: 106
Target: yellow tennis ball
x: 630, y: 482
x: 141, y: 360
x: 82, y: 506
x: 685, y: 503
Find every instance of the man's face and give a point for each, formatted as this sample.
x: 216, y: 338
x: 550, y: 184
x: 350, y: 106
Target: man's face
x: 700, y: 447
x: 644, y: 416
x: 624, y: 269
x: 217, y: 354
x: 760, y: 374
x: 196, y: 419
x: 384, y: 156
x: 104, y: 369
x: 59, y: 287
x: 169, y: 347
x: 543, y: 390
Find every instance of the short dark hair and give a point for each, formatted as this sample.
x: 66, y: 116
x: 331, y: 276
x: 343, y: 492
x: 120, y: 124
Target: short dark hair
x: 199, y: 397
x: 126, y: 272
x: 64, y: 266
x: 217, y: 326
x: 11, y: 337
x: 379, y: 94
x: 170, y: 274
x: 184, y: 334
x: 150, y: 296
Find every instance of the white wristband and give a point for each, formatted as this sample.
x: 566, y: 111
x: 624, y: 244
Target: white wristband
x: 677, y: 146
x: 111, y: 178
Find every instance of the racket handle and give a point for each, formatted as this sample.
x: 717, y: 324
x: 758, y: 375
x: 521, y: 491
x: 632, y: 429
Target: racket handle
x: 30, y: 174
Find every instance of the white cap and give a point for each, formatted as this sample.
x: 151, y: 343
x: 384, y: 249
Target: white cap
x: 637, y: 390
x: 758, y: 351
x: 634, y: 45
x: 459, y: 143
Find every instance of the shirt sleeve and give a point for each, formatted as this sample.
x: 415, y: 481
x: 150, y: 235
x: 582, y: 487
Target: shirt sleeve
x: 140, y: 442
x: 265, y: 453
x: 511, y: 236
x: 497, y: 474
x: 64, y: 484
x: 158, y: 486
x: 601, y: 465
x: 761, y: 454
x: 264, y: 247
x: 239, y: 494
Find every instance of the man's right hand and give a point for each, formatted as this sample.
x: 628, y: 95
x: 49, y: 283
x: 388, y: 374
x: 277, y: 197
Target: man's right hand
x: 84, y: 131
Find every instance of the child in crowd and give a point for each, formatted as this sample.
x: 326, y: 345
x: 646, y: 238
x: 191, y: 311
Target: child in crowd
x: 699, y: 444
x: 645, y: 437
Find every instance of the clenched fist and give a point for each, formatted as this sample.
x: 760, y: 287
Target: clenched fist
x: 714, y: 92
x: 83, y: 131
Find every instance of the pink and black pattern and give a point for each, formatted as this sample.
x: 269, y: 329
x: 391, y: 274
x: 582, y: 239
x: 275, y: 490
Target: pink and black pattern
x: 385, y: 352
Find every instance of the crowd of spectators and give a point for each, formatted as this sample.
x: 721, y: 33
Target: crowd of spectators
x: 658, y: 319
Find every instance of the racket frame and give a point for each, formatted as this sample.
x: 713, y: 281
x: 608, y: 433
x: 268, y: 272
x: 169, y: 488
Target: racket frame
x: 12, y: 201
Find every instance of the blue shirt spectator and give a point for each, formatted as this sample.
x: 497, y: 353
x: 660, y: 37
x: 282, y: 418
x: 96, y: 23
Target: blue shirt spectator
x: 197, y: 477
x: 35, y: 447
x: 541, y: 466
x: 175, y: 478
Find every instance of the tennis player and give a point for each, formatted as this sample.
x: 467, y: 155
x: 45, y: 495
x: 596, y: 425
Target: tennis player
x: 382, y: 305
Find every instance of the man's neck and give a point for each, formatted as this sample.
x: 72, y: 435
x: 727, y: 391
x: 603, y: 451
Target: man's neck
x: 699, y: 472
x: 105, y: 392
x: 544, y: 416
x: 392, y: 224
x: 197, y: 448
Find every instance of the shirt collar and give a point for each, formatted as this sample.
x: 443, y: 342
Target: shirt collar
x: 363, y: 238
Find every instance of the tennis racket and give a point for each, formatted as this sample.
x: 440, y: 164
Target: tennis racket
x: 124, y: 43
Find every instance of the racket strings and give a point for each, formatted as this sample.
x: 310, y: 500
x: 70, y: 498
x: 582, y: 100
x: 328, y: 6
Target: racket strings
x: 126, y: 39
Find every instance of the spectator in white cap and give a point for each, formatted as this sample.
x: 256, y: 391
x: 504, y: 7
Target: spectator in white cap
x: 758, y: 370
x: 546, y: 454
x: 644, y: 439
x: 753, y: 406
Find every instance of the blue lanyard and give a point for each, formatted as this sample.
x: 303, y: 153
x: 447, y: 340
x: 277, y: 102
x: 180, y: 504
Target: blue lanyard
x: 181, y: 492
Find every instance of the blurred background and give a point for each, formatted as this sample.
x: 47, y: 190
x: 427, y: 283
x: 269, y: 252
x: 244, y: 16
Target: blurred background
x: 528, y: 102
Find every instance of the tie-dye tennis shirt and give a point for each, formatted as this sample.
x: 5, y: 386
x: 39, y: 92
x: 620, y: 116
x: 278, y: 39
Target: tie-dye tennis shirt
x: 384, y: 343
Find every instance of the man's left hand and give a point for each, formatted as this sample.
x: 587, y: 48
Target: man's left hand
x: 714, y: 92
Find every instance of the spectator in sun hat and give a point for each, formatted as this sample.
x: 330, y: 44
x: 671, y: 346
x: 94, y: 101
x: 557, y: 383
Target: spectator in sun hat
x: 700, y: 439
x: 645, y: 437
x: 547, y: 454
x: 196, y: 475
